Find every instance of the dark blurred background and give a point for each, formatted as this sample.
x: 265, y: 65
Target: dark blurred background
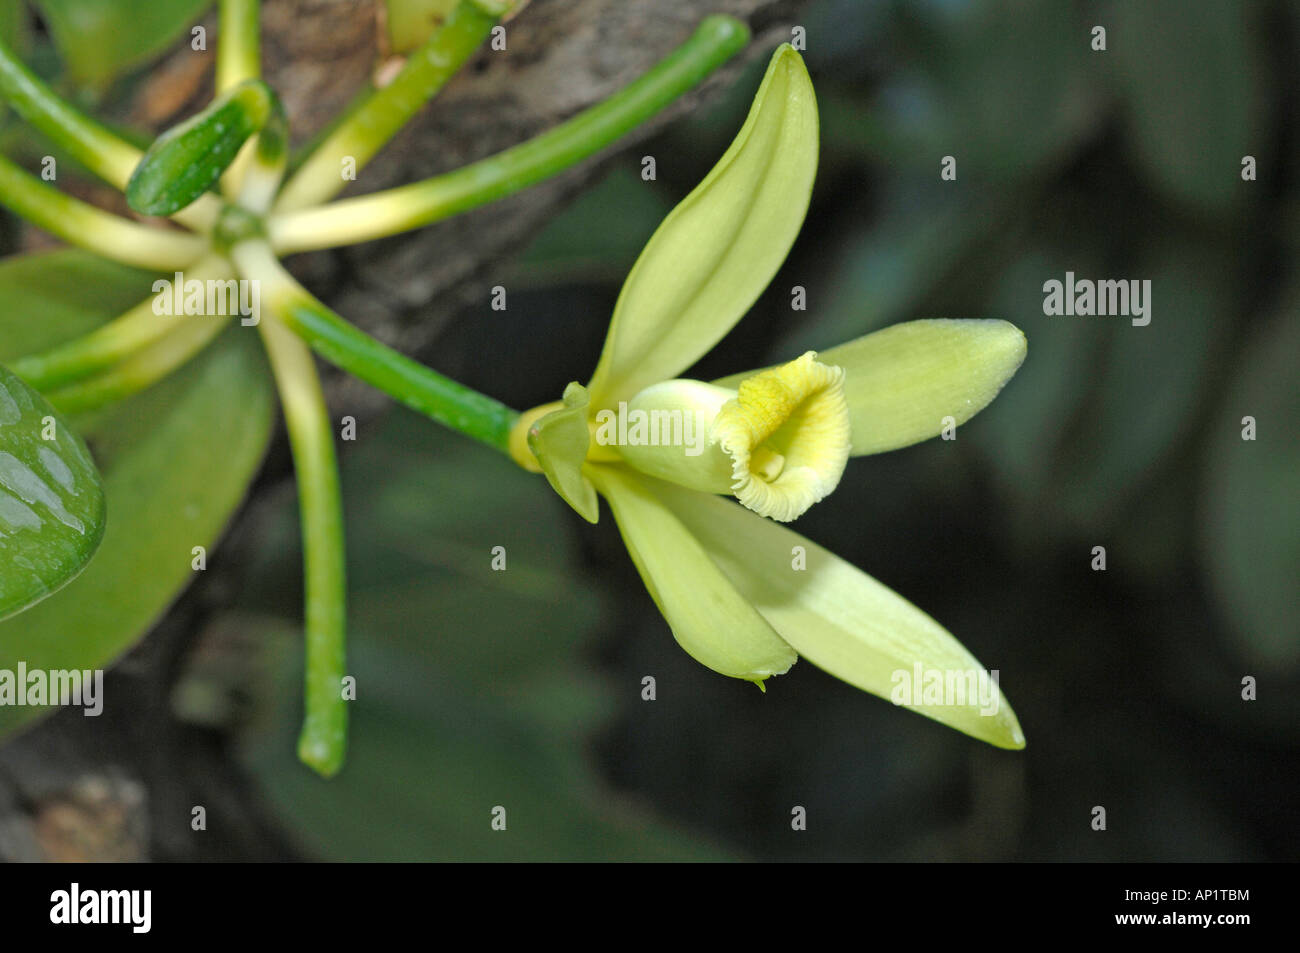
x: 523, y: 688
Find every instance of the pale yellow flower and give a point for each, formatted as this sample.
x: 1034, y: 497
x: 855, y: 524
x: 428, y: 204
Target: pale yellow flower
x: 743, y: 594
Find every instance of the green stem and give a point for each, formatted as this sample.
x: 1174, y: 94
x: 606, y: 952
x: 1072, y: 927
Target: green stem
x: 82, y: 138
x: 239, y: 58
x: 260, y: 168
x: 323, y: 741
x: 112, y: 343
x: 239, y: 44
x: 389, y: 109
x: 88, y: 227
x: 143, y: 369
x: 424, y: 390
x: 88, y: 142
x: 422, y: 203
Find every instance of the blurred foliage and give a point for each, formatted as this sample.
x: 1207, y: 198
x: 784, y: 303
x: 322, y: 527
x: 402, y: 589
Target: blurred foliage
x: 1251, y: 508
x: 472, y: 688
x: 13, y: 25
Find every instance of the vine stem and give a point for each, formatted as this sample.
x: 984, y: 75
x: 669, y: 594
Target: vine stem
x: 142, y: 369
x: 103, y: 153
x: 239, y: 43
x: 322, y: 744
x: 262, y: 162
x: 93, y: 229
x: 239, y: 58
x: 419, y: 204
x: 384, y: 113
x: 112, y: 343
x: 341, y: 343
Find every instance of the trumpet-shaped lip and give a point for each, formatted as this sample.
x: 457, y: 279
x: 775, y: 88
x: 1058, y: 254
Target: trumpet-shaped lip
x: 787, y: 432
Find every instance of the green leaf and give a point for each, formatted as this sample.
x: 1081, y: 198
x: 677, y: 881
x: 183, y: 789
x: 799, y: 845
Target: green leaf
x: 559, y: 441
x: 1250, y: 533
x: 1132, y: 427
x: 51, y: 499
x: 188, y: 159
x: 716, y: 252
x: 100, y: 39
x: 1012, y: 83
x: 176, y: 460
x: 1194, y: 96
x: 53, y: 297
x: 1022, y: 439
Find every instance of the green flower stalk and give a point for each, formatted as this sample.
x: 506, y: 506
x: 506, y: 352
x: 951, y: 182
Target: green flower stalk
x: 742, y: 594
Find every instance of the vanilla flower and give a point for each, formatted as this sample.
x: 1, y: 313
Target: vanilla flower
x: 743, y: 594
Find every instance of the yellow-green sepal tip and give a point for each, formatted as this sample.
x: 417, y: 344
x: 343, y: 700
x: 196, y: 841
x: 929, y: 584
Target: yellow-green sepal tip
x: 559, y: 441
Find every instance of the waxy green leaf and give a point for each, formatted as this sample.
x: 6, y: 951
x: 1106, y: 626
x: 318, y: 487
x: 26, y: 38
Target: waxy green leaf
x: 176, y: 460
x: 51, y: 498
x: 188, y: 159
x: 713, y: 256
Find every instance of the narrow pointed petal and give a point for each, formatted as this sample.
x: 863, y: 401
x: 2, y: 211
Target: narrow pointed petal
x: 841, y: 619
x: 709, y: 618
x: 903, y: 381
x: 716, y: 252
x: 559, y: 441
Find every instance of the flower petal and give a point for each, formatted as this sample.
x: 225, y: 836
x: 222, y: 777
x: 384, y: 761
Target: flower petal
x: 787, y: 433
x: 716, y: 251
x: 713, y: 622
x: 841, y: 619
x: 903, y: 381
x: 672, y: 442
x: 559, y: 441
